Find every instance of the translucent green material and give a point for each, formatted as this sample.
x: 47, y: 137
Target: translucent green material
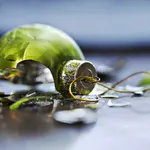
x: 40, y: 43
x: 145, y: 81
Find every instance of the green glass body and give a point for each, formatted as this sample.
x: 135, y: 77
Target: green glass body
x: 42, y: 43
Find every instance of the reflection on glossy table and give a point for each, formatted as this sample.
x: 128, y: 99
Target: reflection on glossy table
x: 116, y: 128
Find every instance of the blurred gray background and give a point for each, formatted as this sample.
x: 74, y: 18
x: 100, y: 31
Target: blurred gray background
x: 90, y: 22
